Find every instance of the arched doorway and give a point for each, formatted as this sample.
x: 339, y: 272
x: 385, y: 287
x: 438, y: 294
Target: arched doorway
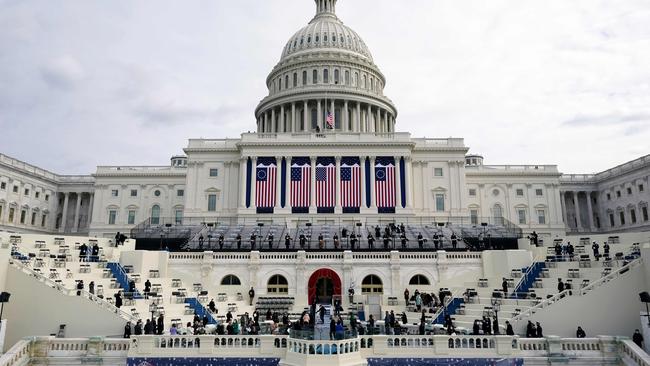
x: 325, y: 283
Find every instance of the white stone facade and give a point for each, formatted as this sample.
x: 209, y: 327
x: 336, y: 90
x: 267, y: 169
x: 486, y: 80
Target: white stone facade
x: 326, y: 76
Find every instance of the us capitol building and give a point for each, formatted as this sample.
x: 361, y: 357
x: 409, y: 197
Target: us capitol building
x: 327, y: 149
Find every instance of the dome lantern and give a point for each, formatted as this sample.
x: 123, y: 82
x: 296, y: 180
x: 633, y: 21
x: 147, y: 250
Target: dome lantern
x: 325, y: 8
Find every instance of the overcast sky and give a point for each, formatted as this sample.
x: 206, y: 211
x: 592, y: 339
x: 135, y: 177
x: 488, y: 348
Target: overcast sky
x: 114, y: 82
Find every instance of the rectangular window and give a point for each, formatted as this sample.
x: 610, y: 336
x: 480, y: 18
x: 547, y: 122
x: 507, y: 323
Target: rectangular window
x: 611, y: 220
x: 23, y: 213
x: 644, y: 213
x: 11, y: 214
x: 134, y: 193
x: 43, y: 220
x: 178, y: 217
x: 539, y: 192
x: 520, y: 192
x: 618, y: 194
x: 180, y: 193
x: 629, y: 191
x: 214, y: 172
x: 114, y: 193
x: 314, y: 77
x: 212, y: 203
x: 541, y: 217
x: 47, y: 197
x: 15, y: 189
x: 473, y: 216
x: 609, y: 197
x: 326, y: 76
x: 440, y: 202
x: 26, y: 192
x: 522, y: 216
x: 633, y: 216
x: 37, y: 194
x: 622, y: 217
x: 437, y: 172
x: 33, y: 218
x: 472, y: 192
x: 3, y: 185
x: 304, y: 78
x: 641, y: 187
x: 131, y: 218
x: 112, y: 215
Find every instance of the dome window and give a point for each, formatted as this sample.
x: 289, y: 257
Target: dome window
x: 286, y: 82
x: 347, y: 77
x: 314, y: 77
x: 309, y: 39
x: 302, y: 40
x: 295, y: 79
x: 317, y: 38
x: 326, y: 76
x: 334, y: 37
x: 304, y: 78
x: 325, y: 38
x: 336, y: 76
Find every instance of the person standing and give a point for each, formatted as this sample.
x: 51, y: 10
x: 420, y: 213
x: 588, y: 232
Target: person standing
x: 271, y: 238
x: 118, y: 299
x: 509, y: 330
x: 560, y: 285
x: 538, y: 330
x: 161, y: 324
x: 127, y: 330
x: 238, y: 239
x: 637, y: 338
x: 332, y: 329
x: 407, y: 296
x: 606, y: 249
x: 595, y: 247
x: 251, y: 295
x: 504, y: 286
x: 580, y: 333
x: 220, y: 241
x: 201, y: 241
x: 138, y: 328
x: 420, y: 241
x: 454, y: 241
x: 287, y: 241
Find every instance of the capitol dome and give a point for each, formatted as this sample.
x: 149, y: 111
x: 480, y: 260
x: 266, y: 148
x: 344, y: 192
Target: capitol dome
x: 326, y: 80
x: 326, y: 31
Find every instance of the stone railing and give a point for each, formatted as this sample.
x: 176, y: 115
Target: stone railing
x: 46, y: 350
x: 70, y: 351
x: 18, y: 355
x: 633, y: 355
x: 579, y: 292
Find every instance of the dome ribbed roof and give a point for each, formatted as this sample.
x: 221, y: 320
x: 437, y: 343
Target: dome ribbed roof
x: 326, y: 32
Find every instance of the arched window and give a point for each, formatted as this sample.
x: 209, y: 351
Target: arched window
x: 230, y: 280
x: 372, y: 84
x: 278, y: 284
x: 355, y: 82
x: 295, y: 79
x: 314, y: 77
x: 364, y: 82
x: 419, y: 280
x: 336, y: 76
x: 497, y: 213
x: 347, y: 77
x: 372, y: 284
x: 326, y: 76
x: 286, y: 81
x: 304, y: 78
x: 155, y: 215
x: 279, y: 83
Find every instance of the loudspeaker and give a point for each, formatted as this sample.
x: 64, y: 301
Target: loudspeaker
x: 484, y: 224
x: 168, y: 225
x: 644, y: 296
x: 4, y: 297
x: 359, y: 224
x: 308, y: 224
x: 441, y: 224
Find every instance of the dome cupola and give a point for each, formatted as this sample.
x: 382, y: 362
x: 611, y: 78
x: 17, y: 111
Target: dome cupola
x: 326, y: 80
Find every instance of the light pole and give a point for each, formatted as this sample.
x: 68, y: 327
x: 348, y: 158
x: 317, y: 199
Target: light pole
x: 152, y: 309
x: 496, y: 306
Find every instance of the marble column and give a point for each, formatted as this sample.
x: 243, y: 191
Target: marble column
x: 363, y: 182
x: 293, y: 118
x: 278, y: 182
x: 398, y: 183
x: 242, y: 182
x: 254, y: 183
x: 282, y: 122
x: 373, y: 198
x: 346, y: 117
x: 337, y: 175
x: 274, y: 122
x: 75, y: 224
x: 370, y: 127
x: 563, y: 207
x: 312, y: 190
x: 266, y: 122
x: 357, y: 122
x: 305, y: 112
x: 378, y: 127
x: 577, y: 209
x: 408, y: 181
x: 64, y: 214
x: 319, y: 117
x: 333, y: 111
x: 590, y: 212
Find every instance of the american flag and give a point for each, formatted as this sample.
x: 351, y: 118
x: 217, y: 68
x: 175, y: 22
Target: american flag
x: 326, y: 185
x: 300, y: 185
x: 385, y: 185
x: 265, y: 185
x: 350, y: 185
x: 330, y: 120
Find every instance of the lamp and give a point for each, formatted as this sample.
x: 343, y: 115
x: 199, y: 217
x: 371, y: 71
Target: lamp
x: 4, y: 297
x: 496, y: 306
x: 645, y: 298
x: 152, y: 309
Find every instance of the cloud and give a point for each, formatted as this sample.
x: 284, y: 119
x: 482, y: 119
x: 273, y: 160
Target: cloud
x: 63, y: 73
x: 611, y: 119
